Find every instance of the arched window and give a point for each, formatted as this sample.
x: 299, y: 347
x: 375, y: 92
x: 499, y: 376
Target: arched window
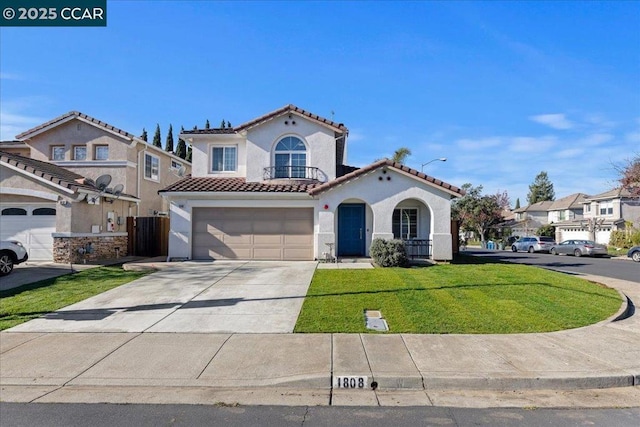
x: 14, y: 211
x: 44, y: 211
x: 291, y: 158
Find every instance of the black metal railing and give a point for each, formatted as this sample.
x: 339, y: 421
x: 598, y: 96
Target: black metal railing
x: 291, y: 172
x: 418, y: 248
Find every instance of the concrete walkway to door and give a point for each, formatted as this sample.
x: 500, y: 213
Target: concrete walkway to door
x: 201, y: 297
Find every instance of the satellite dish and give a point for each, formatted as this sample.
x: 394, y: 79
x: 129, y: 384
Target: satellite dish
x: 108, y: 190
x: 103, y: 181
x: 182, y: 171
x: 89, y: 181
x: 117, y: 190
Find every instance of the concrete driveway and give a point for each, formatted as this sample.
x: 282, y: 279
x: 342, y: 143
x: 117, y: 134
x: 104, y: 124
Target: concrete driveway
x: 202, y: 297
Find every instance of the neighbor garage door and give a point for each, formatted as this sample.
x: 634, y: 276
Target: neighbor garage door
x: 33, y: 226
x: 252, y: 233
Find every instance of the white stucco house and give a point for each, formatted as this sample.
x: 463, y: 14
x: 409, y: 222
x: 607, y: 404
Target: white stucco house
x: 277, y: 187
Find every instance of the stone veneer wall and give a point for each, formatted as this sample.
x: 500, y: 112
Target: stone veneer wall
x: 65, y: 249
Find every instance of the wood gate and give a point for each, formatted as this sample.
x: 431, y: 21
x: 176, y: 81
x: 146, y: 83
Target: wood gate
x: 148, y: 236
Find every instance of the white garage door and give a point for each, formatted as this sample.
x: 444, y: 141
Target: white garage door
x: 33, y: 226
x: 252, y: 233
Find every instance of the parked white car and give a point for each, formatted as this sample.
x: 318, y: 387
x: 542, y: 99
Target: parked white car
x: 11, y: 253
x: 533, y: 244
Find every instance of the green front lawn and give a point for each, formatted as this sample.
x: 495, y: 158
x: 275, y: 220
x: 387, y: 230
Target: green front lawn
x: 455, y: 298
x: 28, y: 302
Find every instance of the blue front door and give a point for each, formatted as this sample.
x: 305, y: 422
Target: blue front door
x: 351, y: 229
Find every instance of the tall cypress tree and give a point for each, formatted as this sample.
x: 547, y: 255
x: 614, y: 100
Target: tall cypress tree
x: 223, y: 124
x: 181, y: 149
x: 189, y: 154
x: 518, y: 203
x: 169, y: 144
x: 157, y: 140
x: 207, y: 125
x: 144, y: 135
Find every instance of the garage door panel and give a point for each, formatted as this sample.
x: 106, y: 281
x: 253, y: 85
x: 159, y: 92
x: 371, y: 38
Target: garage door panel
x: 252, y: 233
x: 35, y: 232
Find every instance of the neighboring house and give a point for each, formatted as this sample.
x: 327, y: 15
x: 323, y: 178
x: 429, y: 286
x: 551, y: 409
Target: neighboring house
x: 529, y: 218
x: 86, y: 148
x: 91, y: 148
x: 602, y: 214
x: 566, y: 211
x: 60, y: 215
x: 277, y: 187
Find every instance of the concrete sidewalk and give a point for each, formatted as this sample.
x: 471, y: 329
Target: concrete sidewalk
x: 554, y: 369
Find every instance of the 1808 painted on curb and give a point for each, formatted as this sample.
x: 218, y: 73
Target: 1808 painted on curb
x: 51, y: 13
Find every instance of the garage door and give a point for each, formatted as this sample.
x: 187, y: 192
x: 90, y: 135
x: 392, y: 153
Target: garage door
x: 252, y: 233
x: 33, y: 226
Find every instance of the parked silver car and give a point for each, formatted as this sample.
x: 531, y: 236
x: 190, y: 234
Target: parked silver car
x: 533, y: 244
x: 634, y: 253
x: 579, y: 248
x: 11, y: 252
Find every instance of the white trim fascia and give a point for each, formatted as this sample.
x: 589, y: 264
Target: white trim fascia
x: 160, y: 150
x: 236, y: 195
x: 94, y: 163
x: 37, y: 178
x: 422, y: 181
x: 103, y: 234
x: 30, y: 193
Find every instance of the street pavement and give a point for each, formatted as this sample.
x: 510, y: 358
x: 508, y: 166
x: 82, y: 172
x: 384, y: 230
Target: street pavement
x: 594, y: 366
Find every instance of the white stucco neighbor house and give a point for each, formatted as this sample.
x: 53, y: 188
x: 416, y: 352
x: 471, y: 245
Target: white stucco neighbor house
x: 277, y: 187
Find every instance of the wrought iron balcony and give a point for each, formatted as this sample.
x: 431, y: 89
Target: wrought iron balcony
x: 302, y: 173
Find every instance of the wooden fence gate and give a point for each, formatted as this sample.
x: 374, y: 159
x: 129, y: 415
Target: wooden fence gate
x: 148, y: 236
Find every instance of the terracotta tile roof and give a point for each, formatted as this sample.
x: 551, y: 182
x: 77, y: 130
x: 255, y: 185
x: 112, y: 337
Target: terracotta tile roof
x: 381, y: 163
x: 74, y: 114
x: 50, y: 172
x: 286, y: 109
x: 208, y: 184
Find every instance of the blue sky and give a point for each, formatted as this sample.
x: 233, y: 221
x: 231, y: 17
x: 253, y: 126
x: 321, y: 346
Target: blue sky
x: 504, y: 90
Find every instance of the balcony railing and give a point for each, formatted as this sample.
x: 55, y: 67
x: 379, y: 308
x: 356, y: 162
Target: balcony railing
x: 308, y: 173
x: 418, y: 248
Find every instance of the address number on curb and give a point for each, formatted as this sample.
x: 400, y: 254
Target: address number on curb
x: 350, y: 382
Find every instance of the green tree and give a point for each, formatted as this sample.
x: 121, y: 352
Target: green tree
x: 207, y: 125
x: 144, y: 135
x: 168, y: 146
x: 630, y: 176
x: 223, y: 124
x: 518, y: 203
x: 547, y: 230
x: 157, y: 140
x: 181, y: 149
x: 541, y: 190
x: 478, y: 213
x: 400, y: 155
x: 229, y: 124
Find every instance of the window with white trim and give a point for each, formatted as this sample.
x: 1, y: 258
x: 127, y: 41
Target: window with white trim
x: 102, y: 152
x: 79, y: 152
x: 405, y: 223
x: 57, y: 152
x: 606, y: 208
x: 175, y: 165
x: 290, y: 158
x: 151, y: 166
x: 224, y: 158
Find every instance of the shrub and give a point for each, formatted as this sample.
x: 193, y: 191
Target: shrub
x: 546, y: 230
x: 389, y: 253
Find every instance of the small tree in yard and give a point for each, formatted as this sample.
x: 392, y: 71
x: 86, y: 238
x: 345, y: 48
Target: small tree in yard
x: 546, y: 230
x: 478, y: 213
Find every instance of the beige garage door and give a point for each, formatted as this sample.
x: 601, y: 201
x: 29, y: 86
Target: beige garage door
x: 252, y: 233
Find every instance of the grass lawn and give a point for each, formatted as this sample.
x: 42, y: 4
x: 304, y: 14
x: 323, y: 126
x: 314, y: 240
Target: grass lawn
x: 455, y: 299
x: 28, y: 302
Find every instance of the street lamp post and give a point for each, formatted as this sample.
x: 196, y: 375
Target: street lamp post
x: 441, y: 159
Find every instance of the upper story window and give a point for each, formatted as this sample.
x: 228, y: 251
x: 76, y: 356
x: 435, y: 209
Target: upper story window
x: 587, y: 208
x: 606, y: 208
x: 290, y: 158
x: 151, y: 167
x: 80, y: 152
x: 175, y: 165
x: 102, y: 152
x: 57, y: 152
x: 224, y: 158
x: 562, y: 215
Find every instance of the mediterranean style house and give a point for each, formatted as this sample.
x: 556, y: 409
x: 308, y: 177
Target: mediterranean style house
x: 52, y: 179
x: 277, y: 187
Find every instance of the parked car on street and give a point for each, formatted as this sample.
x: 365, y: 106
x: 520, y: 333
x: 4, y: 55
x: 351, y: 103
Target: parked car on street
x: 11, y: 253
x: 634, y: 253
x: 533, y: 244
x: 579, y: 248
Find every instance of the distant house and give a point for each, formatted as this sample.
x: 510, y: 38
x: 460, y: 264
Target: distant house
x: 529, y: 219
x: 87, y: 148
x: 277, y: 187
x: 601, y: 214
